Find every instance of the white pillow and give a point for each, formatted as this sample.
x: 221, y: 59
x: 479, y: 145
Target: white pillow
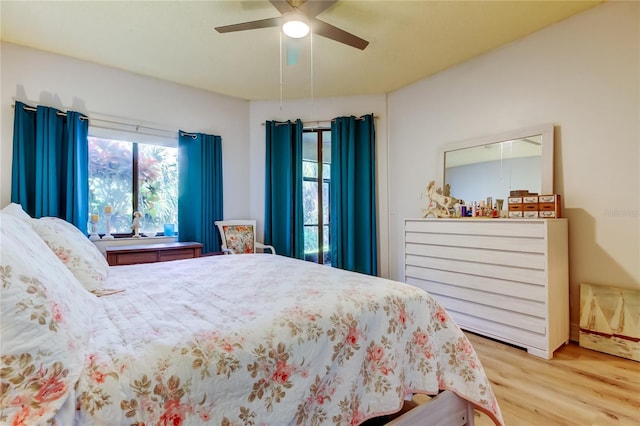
x: 45, y: 327
x: 75, y: 250
x: 16, y: 210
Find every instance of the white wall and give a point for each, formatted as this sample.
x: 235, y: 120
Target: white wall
x: 37, y: 77
x: 324, y: 110
x: 583, y: 75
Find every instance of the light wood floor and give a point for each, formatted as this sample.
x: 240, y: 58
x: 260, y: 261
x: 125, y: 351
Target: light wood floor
x: 577, y: 387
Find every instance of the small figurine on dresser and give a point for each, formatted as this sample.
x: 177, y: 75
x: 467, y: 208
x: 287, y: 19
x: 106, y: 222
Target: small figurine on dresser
x: 135, y: 225
x: 440, y: 202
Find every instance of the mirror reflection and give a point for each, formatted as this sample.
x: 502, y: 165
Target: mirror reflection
x: 494, y: 169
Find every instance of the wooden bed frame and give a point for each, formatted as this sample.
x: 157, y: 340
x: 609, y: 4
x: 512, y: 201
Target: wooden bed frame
x: 445, y: 409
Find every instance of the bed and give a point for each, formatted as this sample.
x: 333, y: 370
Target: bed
x: 251, y: 339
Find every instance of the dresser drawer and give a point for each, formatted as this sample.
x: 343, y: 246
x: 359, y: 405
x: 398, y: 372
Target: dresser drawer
x: 493, y: 257
x: 490, y: 271
x: 490, y: 227
x: 491, y: 285
x: 478, y: 241
x: 535, y: 343
x: 533, y: 324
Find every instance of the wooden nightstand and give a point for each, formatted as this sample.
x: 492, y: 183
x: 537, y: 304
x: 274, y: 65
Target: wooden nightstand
x: 150, y: 253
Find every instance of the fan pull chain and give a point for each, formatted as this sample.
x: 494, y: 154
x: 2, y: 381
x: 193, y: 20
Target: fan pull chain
x: 311, y: 42
x: 280, y: 70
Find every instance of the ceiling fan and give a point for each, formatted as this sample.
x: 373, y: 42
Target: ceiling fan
x: 301, y: 11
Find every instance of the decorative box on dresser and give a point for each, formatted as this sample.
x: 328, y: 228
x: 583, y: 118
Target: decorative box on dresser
x: 506, y: 279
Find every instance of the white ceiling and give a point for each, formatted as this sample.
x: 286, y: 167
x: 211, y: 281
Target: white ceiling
x: 176, y: 40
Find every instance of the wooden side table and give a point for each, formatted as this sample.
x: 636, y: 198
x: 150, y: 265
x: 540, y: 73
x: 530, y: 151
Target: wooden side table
x: 151, y: 253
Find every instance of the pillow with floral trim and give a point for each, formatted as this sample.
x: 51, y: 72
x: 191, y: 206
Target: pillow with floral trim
x: 46, y: 321
x: 16, y: 210
x: 75, y: 250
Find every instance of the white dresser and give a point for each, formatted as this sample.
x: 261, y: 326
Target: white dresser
x: 506, y: 279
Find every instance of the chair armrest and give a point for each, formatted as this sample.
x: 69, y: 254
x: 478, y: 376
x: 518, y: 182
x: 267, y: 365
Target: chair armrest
x: 265, y: 246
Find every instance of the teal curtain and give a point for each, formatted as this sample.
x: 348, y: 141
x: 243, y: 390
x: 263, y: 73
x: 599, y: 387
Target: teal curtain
x: 353, y: 195
x: 75, y: 186
x: 283, y: 219
x: 50, y: 164
x: 200, y: 189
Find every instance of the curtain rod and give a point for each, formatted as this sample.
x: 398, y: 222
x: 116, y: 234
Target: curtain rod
x: 102, y: 120
x: 315, y: 121
x: 60, y: 113
x: 137, y: 126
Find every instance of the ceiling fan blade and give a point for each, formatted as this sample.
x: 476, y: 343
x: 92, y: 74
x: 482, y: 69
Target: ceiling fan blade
x: 321, y: 28
x: 313, y: 8
x: 282, y: 5
x: 252, y: 25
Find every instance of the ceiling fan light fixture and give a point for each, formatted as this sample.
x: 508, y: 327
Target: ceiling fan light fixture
x: 295, y: 25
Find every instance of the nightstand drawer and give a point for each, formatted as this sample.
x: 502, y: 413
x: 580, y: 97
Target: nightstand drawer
x: 177, y: 254
x: 131, y: 258
x: 150, y: 253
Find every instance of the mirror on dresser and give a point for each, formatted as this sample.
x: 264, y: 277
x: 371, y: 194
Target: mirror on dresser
x: 492, y: 166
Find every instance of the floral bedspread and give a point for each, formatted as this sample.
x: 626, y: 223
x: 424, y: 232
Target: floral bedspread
x: 267, y: 340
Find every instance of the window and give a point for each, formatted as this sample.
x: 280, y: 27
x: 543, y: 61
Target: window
x: 316, y: 172
x: 130, y: 177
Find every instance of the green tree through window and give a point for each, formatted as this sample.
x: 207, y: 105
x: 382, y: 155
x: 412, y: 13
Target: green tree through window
x: 316, y: 172
x: 132, y: 177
